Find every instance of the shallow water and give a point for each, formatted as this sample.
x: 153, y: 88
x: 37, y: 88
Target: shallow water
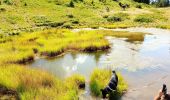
x: 145, y: 65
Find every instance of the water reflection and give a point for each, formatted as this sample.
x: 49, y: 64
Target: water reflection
x: 145, y: 65
x: 70, y: 63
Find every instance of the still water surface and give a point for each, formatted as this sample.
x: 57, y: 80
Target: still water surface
x: 145, y: 65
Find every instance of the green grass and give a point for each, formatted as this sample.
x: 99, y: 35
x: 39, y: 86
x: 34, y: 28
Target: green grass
x: 40, y: 14
x: 36, y: 84
x: 100, y: 78
x: 118, y: 17
x: 32, y: 84
x: 131, y: 36
x: 144, y: 18
x: 19, y: 45
x: 24, y: 47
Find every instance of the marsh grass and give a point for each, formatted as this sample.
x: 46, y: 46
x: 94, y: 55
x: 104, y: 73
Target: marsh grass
x: 131, y: 36
x: 32, y: 84
x: 100, y: 78
x: 23, y: 48
x: 75, y: 81
x: 36, y: 84
x: 50, y: 43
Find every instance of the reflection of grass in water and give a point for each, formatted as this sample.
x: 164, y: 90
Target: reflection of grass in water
x: 100, y: 78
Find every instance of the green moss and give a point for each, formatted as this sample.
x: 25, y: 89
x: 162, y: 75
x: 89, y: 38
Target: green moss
x: 100, y: 78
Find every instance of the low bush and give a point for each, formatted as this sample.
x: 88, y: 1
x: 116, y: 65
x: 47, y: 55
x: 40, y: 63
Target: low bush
x: 139, y: 6
x: 14, y: 19
x: 144, y: 19
x: 70, y: 16
x: 2, y: 9
x: 100, y: 78
x: 9, y: 2
x: 67, y: 25
x: 75, y: 81
x: 71, y: 4
x: 40, y: 19
x: 118, y: 17
x: 114, y: 19
x: 75, y: 21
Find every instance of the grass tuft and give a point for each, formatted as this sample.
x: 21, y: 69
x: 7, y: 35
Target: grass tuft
x: 29, y: 84
x: 100, y: 78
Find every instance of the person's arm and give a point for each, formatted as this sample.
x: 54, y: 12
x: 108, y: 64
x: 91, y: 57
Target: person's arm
x: 158, y: 97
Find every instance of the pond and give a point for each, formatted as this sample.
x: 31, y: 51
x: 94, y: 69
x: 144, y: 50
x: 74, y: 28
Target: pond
x: 145, y: 65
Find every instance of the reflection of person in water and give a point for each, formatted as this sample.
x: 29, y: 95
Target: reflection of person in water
x: 162, y: 95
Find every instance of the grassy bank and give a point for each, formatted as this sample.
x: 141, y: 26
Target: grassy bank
x: 100, y: 78
x: 21, y: 82
x: 24, y: 47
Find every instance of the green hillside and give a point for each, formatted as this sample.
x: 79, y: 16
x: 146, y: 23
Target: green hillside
x: 28, y: 15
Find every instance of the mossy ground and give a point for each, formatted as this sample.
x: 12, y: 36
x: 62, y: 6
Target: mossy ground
x: 100, y: 78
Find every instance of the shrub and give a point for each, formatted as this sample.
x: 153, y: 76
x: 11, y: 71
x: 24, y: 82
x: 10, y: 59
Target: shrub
x: 14, y: 19
x: 143, y: 18
x: 100, y: 78
x: 59, y: 2
x: 67, y: 25
x: 75, y: 21
x: 2, y: 9
x: 40, y: 19
x: 139, y: 6
x: 54, y: 24
x: 105, y: 16
x: 70, y: 16
x: 75, y: 81
x: 118, y: 17
x: 114, y: 19
x: 9, y: 2
x: 78, y: 0
x: 71, y: 4
x: 25, y: 4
